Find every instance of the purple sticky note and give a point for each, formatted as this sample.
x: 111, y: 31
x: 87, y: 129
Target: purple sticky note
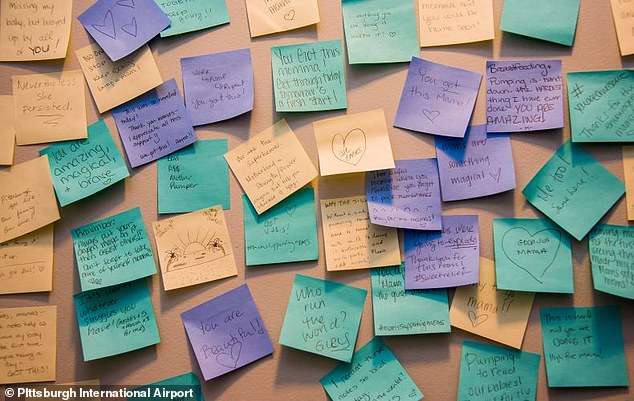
x: 154, y: 124
x: 218, y: 86
x: 122, y: 26
x: 437, y: 99
x: 407, y: 196
x: 447, y: 258
x: 226, y: 332
x: 476, y: 165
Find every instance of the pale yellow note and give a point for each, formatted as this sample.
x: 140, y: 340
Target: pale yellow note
x: 351, y: 241
x: 271, y: 166
x: 482, y: 309
x: 270, y: 16
x: 114, y: 83
x: 449, y: 22
x: 34, y: 29
x: 623, y: 14
x: 7, y: 131
x: 27, y: 198
x: 49, y: 107
x: 194, y: 248
x: 28, y: 344
x: 628, y: 169
x: 353, y: 143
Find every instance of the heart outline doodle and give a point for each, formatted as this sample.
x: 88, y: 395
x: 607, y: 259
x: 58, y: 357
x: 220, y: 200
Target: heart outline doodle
x: 431, y: 114
x: 133, y: 25
x: 554, y: 256
x: 230, y: 360
x: 476, y: 319
x: 290, y: 210
x: 290, y: 15
x: 497, y: 176
x: 126, y: 3
x: 339, y: 141
x: 108, y: 21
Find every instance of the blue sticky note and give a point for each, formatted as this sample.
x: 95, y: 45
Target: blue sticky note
x: 552, y: 21
x: 86, y: 166
x: 611, y: 251
x: 193, y: 15
x: 185, y: 387
x: 194, y: 178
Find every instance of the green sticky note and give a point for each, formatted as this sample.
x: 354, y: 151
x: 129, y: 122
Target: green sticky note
x: 308, y: 77
x: 193, y: 15
x: 532, y: 255
x: 83, y: 167
x: 373, y: 374
x: 380, y: 31
x: 583, y: 347
x: 562, y: 188
x: 400, y: 312
x: 601, y: 106
x: 185, y: 387
x: 285, y: 233
x: 323, y: 317
x: 489, y: 372
x: 194, y: 178
x: 552, y: 21
x: 612, y: 259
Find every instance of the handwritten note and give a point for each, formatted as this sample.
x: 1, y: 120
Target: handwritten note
x: 308, y: 77
x: 194, y: 248
x: 437, y: 99
x: 612, y: 259
x: 628, y: 173
x: 452, y: 22
x: 187, y: 384
x: 271, y: 16
x: 271, y: 166
x: 227, y: 333
x: 623, y: 14
x: 28, y: 344
x: 7, y: 130
x: 482, y: 309
x: 562, y: 187
x: 323, y: 317
x: 193, y: 15
x: 113, y: 250
x: 552, y: 21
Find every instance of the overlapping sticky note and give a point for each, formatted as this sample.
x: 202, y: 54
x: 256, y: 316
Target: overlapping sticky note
x: 552, y: 21
x: 7, y: 130
x: 169, y: 389
x: 628, y: 174
x: 266, y: 16
x: 443, y: 23
x: 193, y: 15
x: 611, y: 251
x: 227, y: 332
x: 623, y: 14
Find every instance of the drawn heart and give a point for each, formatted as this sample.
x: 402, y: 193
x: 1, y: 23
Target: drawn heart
x: 497, y: 176
x: 230, y: 360
x: 291, y: 210
x: 130, y: 28
x: 431, y: 114
x: 126, y: 3
x: 534, y: 253
x: 289, y: 16
x: 477, y: 320
x: 107, y: 27
x: 350, y: 148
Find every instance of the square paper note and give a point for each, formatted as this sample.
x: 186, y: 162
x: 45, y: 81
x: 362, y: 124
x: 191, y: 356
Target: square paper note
x: 449, y: 23
x: 267, y: 16
x: 193, y: 15
x: 612, y: 259
x: 623, y: 14
x: 552, y: 21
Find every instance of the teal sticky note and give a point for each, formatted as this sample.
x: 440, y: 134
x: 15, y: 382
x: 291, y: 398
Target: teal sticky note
x: 532, y: 255
x: 194, y: 178
x: 323, y: 317
x: 373, y: 374
x: 115, y: 320
x: 113, y: 250
x: 400, y: 312
x: 84, y: 167
x: 380, y: 31
x: 601, y: 106
x: 552, y: 21
x: 193, y: 15
x: 583, y: 347
x: 185, y: 387
x: 612, y: 259
x: 285, y: 233
x: 489, y: 372
x: 562, y: 188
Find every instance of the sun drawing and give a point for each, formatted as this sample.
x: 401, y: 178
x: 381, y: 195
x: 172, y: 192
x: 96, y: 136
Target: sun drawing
x: 195, y: 250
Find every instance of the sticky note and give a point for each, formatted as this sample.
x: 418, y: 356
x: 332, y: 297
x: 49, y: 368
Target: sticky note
x: 351, y: 241
x: 623, y: 14
x: 489, y: 372
x: 194, y: 248
x: 482, y: 309
x: 285, y: 233
x: 628, y: 173
x: 398, y: 311
x: 227, y: 332
x: 193, y: 15
x: 449, y: 23
x: 25, y: 332
x: 583, y: 347
x: 49, y: 107
x: 218, y: 86
x: 170, y: 389
x: 308, y: 77
x: 122, y: 26
x: 83, y: 167
x: 271, y: 166
x: 562, y: 187
x: 7, y: 130
x: 524, y: 95
x: 437, y: 99
x: 266, y: 16
x: 113, y: 83
x: 374, y: 373
x: 113, y: 250
x: 611, y: 251
x: 184, y: 182
x: 552, y: 21
x: 115, y: 320
x: 446, y: 258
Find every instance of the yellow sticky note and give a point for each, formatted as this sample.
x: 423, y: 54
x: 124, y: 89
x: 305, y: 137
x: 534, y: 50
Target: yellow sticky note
x: 113, y: 83
x: 482, y: 309
x: 628, y: 169
x: 445, y: 22
x: 7, y: 131
x: 270, y: 16
x: 353, y: 143
x: 34, y: 29
x: 623, y: 14
x: 27, y: 198
x: 28, y: 344
x: 351, y: 241
x: 271, y: 166
x: 49, y: 107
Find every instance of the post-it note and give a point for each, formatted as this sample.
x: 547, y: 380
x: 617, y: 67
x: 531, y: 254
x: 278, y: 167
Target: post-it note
x: 628, y: 174
x: 450, y: 23
x: 611, y: 251
x: 186, y: 385
x: 623, y: 14
x: 7, y: 130
x: 552, y: 21
x: 266, y: 16
x: 193, y: 15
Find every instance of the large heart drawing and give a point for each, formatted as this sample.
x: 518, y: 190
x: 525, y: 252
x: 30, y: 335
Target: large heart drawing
x: 230, y: 360
x: 476, y: 319
x: 350, y: 148
x: 131, y: 28
x: 431, y: 114
x: 107, y: 27
x: 532, y: 252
